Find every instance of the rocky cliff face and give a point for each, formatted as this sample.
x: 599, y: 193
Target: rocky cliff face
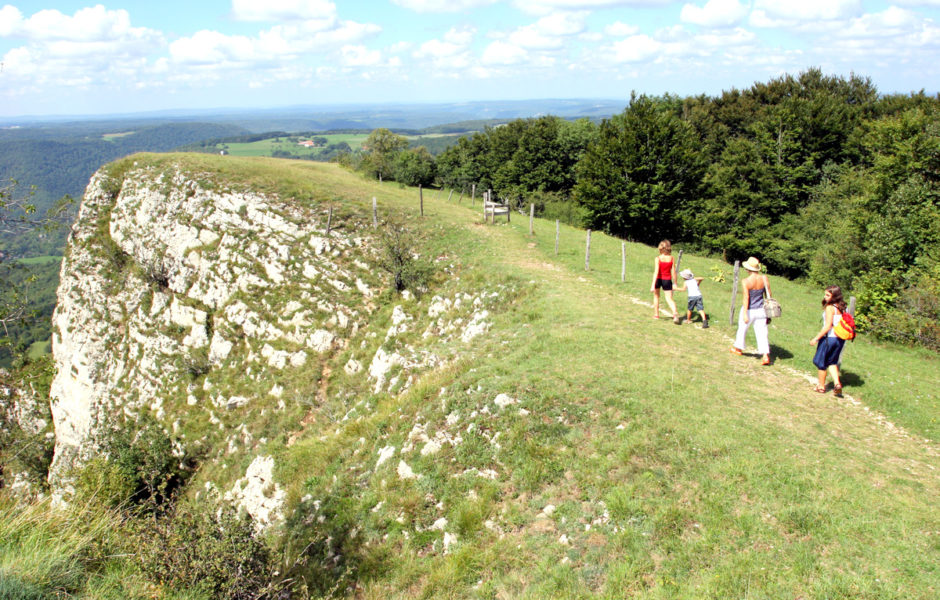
x: 187, y: 295
x: 223, y: 313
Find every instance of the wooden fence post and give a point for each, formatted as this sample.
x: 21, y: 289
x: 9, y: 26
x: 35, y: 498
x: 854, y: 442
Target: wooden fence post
x: 679, y: 262
x: 329, y: 221
x: 556, y: 237
x: 734, y: 288
x: 473, y: 194
x: 421, y: 198
x: 375, y: 214
x: 623, y: 262
x: 531, y: 217
x: 508, y: 213
x: 450, y: 195
x: 587, y: 252
x: 484, y: 208
x: 460, y: 197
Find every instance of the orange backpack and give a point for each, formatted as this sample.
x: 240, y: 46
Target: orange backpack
x: 845, y: 328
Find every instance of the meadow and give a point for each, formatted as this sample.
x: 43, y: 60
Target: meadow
x: 640, y: 459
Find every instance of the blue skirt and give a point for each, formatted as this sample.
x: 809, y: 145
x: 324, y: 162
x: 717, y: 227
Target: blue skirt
x: 828, y: 350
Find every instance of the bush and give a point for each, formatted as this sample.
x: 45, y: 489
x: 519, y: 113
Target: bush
x: 903, y: 312
x: 137, y: 466
x: 27, y: 453
x: 194, y: 548
x: 398, y: 256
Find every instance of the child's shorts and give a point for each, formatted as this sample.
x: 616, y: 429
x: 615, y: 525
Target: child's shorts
x: 696, y: 303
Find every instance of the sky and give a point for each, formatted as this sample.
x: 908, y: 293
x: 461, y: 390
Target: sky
x: 77, y: 58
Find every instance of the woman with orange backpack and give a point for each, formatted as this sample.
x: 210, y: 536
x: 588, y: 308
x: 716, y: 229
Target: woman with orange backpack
x: 828, y: 344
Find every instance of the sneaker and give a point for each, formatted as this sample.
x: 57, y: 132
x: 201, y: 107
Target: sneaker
x: 705, y: 324
x: 766, y: 360
x: 736, y: 351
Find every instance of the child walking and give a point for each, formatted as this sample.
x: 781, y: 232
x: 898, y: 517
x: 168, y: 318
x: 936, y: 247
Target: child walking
x: 691, y: 283
x: 828, y: 344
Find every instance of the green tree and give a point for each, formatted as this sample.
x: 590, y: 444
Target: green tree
x: 18, y: 215
x: 643, y: 175
x: 382, y: 146
x: 415, y: 167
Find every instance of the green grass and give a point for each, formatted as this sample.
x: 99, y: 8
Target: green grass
x: 40, y: 260
x: 38, y: 349
x: 268, y: 146
x: 675, y: 469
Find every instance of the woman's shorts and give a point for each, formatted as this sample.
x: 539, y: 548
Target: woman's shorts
x: 666, y: 284
x: 828, y: 350
x: 696, y: 303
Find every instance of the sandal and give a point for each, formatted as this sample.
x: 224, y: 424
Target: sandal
x: 820, y: 389
x: 837, y: 390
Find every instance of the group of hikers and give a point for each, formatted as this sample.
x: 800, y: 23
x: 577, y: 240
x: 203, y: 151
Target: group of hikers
x: 756, y: 288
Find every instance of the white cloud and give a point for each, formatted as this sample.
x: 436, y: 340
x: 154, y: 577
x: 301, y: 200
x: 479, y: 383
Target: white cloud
x: 454, y: 42
x: 442, y: 6
x: 890, y: 23
x: 360, y: 56
x: 620, y: 29
x: 917, y: 2
x: 541, y: 7
x: 93, y: 46
x: 562, y: 24
x: 11, y: 19
x: 674, y: 44
x: 636, y: 48
x: 715, y: 13
x: 792, y: 13
x: 277, y: 43
x: 88, y: 25
x: 282, y: 10
x: 501, y: 53
x: 211, y: 47
x: 399, y: 47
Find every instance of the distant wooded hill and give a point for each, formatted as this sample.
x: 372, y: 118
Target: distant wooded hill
x: 54, y: 162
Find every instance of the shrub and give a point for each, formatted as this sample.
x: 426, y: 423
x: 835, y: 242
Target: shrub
x: 398, y: 256
x: 26, y: 452
x: 209, y: 551
x: 137, y: 466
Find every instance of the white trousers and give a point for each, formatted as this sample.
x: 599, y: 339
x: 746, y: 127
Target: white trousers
x: 758, y: 318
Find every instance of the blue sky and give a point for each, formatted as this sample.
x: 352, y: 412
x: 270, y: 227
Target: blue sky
x: 84, y: 58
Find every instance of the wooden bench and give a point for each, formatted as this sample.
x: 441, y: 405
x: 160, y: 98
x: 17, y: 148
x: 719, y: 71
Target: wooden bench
x: 491, y: 209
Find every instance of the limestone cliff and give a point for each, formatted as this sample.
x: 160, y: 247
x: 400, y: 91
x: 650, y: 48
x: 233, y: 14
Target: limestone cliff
x: 186, y: 294
x: 224, y: 312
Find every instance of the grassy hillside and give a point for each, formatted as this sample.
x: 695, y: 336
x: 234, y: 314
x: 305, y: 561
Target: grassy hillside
x: 578, y: 448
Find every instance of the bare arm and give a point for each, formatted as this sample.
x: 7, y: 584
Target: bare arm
x: 655, y: 273
x: 747, y: 298
x: 827, y: 324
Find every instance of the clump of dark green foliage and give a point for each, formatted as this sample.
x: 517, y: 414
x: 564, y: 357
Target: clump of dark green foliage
x: 215, y: 553
x: 136, y: 466
x: 399, y: 255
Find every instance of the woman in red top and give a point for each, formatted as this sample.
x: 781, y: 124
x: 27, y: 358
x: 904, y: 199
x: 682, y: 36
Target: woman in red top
x: 664, y: 273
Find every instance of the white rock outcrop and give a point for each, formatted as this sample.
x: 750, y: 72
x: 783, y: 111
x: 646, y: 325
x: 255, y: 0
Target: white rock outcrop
x: 166, y: 279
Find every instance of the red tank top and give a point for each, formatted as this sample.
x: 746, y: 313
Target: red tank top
x: 665, y: 268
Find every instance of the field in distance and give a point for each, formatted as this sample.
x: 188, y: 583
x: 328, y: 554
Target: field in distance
x: 279, y: 146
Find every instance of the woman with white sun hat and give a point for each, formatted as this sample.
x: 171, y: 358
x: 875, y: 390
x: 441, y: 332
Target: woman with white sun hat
x: 755, y: 286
